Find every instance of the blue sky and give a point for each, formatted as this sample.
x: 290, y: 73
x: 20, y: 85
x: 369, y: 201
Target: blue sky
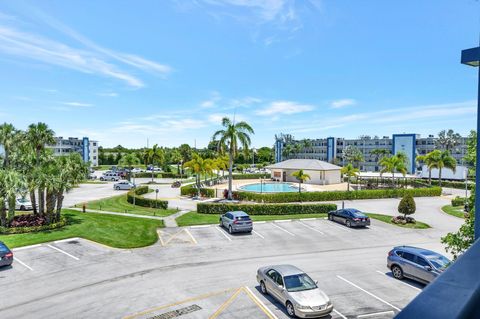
x: 125, y: 71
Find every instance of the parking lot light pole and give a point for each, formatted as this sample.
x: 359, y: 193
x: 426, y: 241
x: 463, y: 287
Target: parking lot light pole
x: 472, y: 57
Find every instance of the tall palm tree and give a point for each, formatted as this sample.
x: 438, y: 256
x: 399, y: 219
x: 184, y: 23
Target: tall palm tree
x: 445, y: 160
x: 447, y: 140
x: 349, y: 171
x: 306, y: 144
x: 297, y: 148
x: 352, y: 154
x: 393, y: 164
x: 287, y: 150
x: 12, y: 184
x: 157, y: 156
x: 39, y: 136
x: 7, y: 140
x: 378, y: 153
x: 129, y: 161
x: 229, y: 139
x: 430, y: 159
x: 199, y: 166
x: 301, y: 178
x: 221, y: 164
x: 176, y: 158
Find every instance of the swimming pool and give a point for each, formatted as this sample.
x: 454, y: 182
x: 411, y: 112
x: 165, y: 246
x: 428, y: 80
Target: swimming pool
x: 270, y: 188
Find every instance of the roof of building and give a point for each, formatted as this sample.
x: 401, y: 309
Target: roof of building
x: 305, y: 164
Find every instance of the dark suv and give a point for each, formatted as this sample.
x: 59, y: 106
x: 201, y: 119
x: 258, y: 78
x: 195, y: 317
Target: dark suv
x: 6, y: 256
x: 416, y: 263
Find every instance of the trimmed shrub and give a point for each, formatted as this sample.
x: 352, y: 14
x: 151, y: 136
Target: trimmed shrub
x: 170, y: 175
x: 266, y: 209
x: 145, y: 202
x: 336, y: 195
x: 458, y: 201
x: 250, y: 176
x: 407, y: 206
x: 32, y: 229
x: 191, y: 190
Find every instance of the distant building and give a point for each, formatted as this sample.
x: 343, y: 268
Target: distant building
x: 330, y: 149
x: 320, y: 172
x: 85, y: 147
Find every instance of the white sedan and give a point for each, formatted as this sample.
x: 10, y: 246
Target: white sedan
x: 123, y: 185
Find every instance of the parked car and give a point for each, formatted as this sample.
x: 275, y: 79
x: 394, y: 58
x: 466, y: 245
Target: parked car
x: 6, y: 255
x: 350, y: 217
x: 151, y: 168
x: 92, y: 176
x: 110, y: 177
x: 419, y: 264
x: 136, y: 170
x: 23, y: 204
x: 123, y: 185
x: 237, y: 221
x: 293, y: 288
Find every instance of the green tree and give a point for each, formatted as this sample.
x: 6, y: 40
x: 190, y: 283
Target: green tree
x: 431, y: 160
x: 353, y: 155
x: 176, y: 158
x: 230, y: 138
x: 393, y: 164
x: 471, y: 156
x: 301, y: 178
x: 38, y: 136
x: 407, y: 206
x: 287, y: 150
x: 444, y: 160
x: 378, y: 153
x: 447, y: 140
x: 458, y: 242
x: 199, y: 166
x: 8, y: 135
x: 306, y: 145
x: 186, y: 152
x: 11, y: 184
x: 265, y: 155
x: 156, y: 156
x: 129, y: 161
x: 349, y: 171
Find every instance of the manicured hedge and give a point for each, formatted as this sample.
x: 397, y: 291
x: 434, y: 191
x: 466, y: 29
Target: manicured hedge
x: 265, y: 209
x: 336, y: 195
x: 191, y: 190
x: 458, y: 201
x: 250, y: 176
x: 145, y: 202
x: 21, y: 230
x: 158, y: 175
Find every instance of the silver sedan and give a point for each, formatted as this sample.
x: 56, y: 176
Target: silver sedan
x: 295, y: 289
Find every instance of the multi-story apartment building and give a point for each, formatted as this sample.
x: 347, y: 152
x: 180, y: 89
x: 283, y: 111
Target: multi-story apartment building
x: 330, y: 149
x: 85, y: 147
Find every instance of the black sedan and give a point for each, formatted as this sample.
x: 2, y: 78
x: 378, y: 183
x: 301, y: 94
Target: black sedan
x: 350, y: 217
x: 6, y: 256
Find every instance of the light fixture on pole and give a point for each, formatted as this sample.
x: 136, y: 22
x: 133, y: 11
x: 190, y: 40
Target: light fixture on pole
x: 472, y: 57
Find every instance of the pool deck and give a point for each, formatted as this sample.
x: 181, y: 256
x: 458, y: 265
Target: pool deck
x: 307, y: 187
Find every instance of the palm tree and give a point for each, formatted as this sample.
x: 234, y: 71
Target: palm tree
x: 176, y: 158
x: 7, y: 140
x: 129, y: 161
x: 287, y: 150
x: 447, y: 140
x: 12, y: 183
x: 222, y: 163
x: 445, y: 160
x: 229, y: 139
x: 297, y: 148
x: 431, y: 159
x: 352, y: 154
x: 38, y: 136
x: 378, y: 153
x: 306, y: 144
x: 157, y: 156
x: 199, y: 166
x: 392, y: 164
x: 186, y: 152
x: 301, y: 177
x: 349, y: 171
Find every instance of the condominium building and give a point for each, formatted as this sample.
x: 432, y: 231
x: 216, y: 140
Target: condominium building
x: 85, y: 147
x: 330, y: 149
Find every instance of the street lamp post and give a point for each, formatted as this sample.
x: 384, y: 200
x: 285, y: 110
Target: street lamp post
x: 472, y: 57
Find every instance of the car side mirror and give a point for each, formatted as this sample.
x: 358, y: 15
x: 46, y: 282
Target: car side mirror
x: 316, y: 282
x: 428, y: 268
x: 281, y: 287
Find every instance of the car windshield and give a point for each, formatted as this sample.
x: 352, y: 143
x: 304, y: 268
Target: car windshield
x: 439, y: 262
x: 299, y: 283
x: 23, y: 200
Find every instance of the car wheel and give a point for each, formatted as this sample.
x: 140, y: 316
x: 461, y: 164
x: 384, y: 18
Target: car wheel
x: 230, y: 230
x: 102, y: 179
x: 348, y: 223
x: 220, y: 222
x: 117, y: 188
x: 263, y: 289
x: 22, y: 208
x: 330, y: 217
x: 397, y: 272
x: 290, y: 309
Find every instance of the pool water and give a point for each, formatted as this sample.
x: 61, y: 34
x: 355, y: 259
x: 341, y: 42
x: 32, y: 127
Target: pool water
x: 269, y: 188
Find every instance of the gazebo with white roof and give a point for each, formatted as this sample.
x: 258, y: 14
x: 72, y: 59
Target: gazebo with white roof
x: 320, y: 172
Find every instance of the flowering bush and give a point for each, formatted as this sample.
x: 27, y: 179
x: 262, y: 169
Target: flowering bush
x: 402, y: 220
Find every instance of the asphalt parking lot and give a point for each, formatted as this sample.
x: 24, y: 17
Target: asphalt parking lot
x: 204, y: 272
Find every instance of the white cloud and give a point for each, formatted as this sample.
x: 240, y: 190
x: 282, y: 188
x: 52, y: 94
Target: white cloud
x: 338, y: 104
x: 212, y: 101
x: 109, y: 94
x: 77, y: 104
x: 267, y: 10
x: 285, y: 107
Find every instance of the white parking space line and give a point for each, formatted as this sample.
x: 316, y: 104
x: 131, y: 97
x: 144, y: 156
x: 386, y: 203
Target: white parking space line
x: 63, y: 252
x: 283, y: 221
x: 403, y: 283
x: 367, y: 292
x: 191, y: 236
x: 66, y: 240
x: 22, y: 263
x: 261, y: 303
x: 262, y: 222
x: 330, y: 223
x: 281, y: 228
x: 258, y: 234
x: 390, y: 312
x: 307, y: 218
x: 339, y: 313
x: 200, y: 226
x: 223, y: 233
x: 26, y: 247
x: 312, y: 228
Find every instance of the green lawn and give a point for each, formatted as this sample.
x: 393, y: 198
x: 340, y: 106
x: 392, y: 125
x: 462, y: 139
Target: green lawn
x: 119, y: 204
x: 456, y: 211
x: 388, y: 219
x: 194, y: 218
x: 114, y: 231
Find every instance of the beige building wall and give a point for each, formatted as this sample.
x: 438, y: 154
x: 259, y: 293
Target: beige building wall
x: 316, y: 177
